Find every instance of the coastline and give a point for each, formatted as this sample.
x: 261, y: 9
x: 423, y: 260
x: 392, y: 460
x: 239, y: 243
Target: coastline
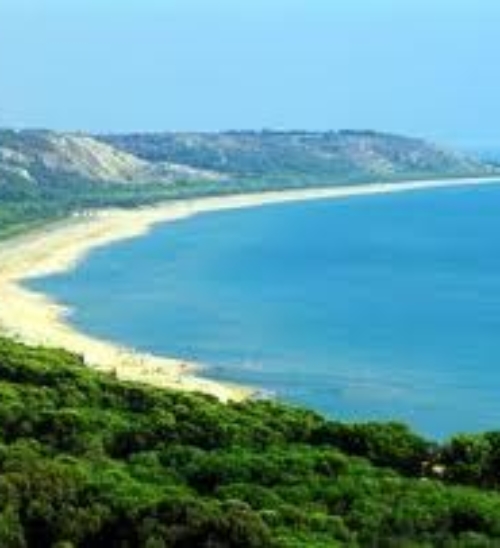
x: 36, y: 319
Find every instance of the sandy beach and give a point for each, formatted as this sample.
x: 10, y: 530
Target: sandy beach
x: 36, y: 319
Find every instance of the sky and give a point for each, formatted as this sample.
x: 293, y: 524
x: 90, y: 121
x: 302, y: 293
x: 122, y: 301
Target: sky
x: 427, y: 68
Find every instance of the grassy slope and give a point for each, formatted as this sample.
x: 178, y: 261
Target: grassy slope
x: 88, y: 461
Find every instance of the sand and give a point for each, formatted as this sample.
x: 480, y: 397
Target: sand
x: 36, y: 319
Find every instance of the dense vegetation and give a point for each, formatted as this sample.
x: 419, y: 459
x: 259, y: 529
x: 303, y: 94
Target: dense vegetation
x: 88, y: 461
x: 21, y: 209
x: 27, y: 206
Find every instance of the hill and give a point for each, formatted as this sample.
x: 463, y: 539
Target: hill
x: 87, y: 461
x: 36, y: 156
x: 333, y: 156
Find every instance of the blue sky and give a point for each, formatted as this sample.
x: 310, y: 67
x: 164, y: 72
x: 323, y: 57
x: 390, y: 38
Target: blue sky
x: 419, y: 67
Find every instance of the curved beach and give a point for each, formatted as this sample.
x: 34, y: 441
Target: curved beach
x: 36, y: 319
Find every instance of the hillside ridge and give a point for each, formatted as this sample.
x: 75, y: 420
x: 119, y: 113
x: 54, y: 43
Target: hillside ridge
x: 38, y: 156
x: 335, y: 154
x: 34, y: 155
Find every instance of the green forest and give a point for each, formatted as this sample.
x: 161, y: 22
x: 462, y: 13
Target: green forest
x: 26, y: 207
x: 88, y: 461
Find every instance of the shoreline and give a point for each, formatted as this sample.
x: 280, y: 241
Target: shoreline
x: 37, y: 319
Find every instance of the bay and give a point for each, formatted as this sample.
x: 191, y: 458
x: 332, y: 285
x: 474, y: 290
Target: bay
x: 367, y: 308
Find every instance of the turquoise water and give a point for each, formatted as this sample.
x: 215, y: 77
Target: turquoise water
x: 380, y: 307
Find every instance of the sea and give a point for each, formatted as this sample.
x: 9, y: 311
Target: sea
x: 382, y: 308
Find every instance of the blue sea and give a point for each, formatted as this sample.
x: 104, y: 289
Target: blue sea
x: 367, y: 308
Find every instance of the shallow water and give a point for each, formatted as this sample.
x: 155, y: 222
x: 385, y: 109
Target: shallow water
x: 377, y: 307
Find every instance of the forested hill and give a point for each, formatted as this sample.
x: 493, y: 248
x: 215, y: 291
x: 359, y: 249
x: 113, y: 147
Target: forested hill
x: 89, y: 462
x: 334, y: 156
